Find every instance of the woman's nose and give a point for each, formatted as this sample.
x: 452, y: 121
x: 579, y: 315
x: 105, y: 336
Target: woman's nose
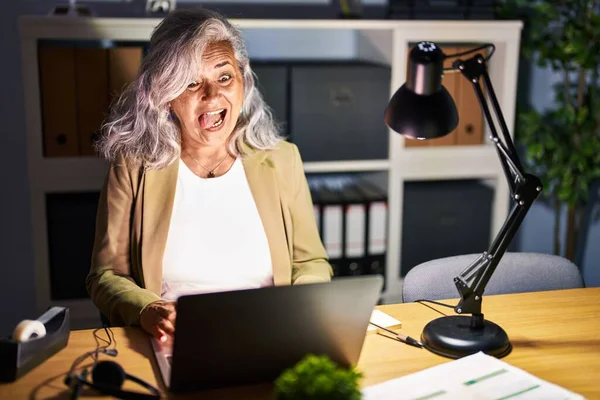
x: 210, y: 91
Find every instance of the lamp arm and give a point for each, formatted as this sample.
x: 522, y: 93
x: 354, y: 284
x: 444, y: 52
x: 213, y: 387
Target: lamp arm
x: 524, y: 187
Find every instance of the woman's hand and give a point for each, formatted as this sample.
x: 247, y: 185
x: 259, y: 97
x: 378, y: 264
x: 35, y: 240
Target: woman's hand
x: 158, y: 319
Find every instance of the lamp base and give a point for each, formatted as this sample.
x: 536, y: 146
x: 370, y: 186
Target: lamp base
x: 454, y: 337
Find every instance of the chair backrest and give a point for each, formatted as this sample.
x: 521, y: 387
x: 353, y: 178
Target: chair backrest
x: 515, y: 273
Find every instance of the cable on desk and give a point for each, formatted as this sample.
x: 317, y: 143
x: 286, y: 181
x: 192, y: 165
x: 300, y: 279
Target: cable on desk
x: 111, y: 339
x: 423, y: 301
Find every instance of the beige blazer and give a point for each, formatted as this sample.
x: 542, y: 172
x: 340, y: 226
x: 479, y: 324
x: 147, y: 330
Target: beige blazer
x: 133, y: 221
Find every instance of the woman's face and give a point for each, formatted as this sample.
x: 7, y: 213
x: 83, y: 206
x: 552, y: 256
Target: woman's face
x: 209, y: 108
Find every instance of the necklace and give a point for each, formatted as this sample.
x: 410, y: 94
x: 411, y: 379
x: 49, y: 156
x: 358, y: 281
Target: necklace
x: 211, y: 172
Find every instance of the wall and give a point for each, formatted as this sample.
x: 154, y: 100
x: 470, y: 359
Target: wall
x: 16, y: 285
x: 16, y: 265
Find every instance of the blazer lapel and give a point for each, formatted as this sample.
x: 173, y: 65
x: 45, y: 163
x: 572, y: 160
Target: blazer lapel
x: 159, y: 195
x: 262, y: 179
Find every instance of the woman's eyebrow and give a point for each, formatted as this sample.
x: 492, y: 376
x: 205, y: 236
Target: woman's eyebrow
x: 222, y: 64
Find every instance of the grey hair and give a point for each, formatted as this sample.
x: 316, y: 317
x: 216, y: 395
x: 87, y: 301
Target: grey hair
x: 140, y: 127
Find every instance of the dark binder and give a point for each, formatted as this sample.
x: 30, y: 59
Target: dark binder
x: 330, y: 209
x: 375, y: 200
x: 354, y: 199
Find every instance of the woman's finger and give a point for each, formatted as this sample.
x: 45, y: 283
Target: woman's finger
x: 166, y: 326
x: 172, y: 317
x: 168, y: 314
x: 158, y: 333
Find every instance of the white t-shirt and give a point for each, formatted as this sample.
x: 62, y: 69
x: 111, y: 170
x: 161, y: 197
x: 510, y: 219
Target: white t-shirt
x: 216, y: 240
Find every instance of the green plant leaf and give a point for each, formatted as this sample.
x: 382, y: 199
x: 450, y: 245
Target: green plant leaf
x: 317, y: 377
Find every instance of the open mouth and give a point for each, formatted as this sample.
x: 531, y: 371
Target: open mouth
x: 212, y: 119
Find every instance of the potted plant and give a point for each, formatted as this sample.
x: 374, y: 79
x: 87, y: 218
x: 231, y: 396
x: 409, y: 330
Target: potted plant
x: 318, y: 378
x: 562, y: 143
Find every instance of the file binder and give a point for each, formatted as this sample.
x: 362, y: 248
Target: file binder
x: 351, y: 214
x: 330, y: 222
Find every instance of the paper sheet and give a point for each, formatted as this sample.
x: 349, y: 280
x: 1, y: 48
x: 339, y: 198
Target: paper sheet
x: 382, y: 319
x: 478, y: 376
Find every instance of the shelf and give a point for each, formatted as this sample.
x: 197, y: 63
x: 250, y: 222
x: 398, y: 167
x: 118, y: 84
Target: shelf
x: 89, y: 173
x: 452, y: 162
x: 68, y: 174
x: 346, y: 166
x: 141, y: 28
x: 382, y: 41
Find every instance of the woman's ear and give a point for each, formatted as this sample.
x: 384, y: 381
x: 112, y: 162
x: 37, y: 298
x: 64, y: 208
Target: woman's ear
x: 172, y: 115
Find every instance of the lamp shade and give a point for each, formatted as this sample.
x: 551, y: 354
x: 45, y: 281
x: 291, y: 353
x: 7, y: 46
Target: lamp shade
x: 422, y: 108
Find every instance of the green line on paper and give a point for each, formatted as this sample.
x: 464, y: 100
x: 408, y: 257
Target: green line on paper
x: 518, y: 393
x: 482, y: 378
x: 431, y: 396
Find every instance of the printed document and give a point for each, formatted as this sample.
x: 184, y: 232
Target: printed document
x: 478, y: 376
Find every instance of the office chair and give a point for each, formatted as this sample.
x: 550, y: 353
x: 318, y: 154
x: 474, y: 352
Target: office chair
x: 515, y: 273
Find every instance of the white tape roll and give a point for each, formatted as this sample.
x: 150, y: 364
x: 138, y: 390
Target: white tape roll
x: 28, y: 329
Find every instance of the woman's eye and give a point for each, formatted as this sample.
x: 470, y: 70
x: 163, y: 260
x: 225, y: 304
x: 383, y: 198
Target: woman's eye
x: 193, y: 85
x: 225, y: 78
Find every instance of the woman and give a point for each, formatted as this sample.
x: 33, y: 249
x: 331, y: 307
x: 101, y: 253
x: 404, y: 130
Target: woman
x: 202, y: 194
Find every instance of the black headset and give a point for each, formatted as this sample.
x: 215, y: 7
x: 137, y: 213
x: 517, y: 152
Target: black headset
x: 107, y: 378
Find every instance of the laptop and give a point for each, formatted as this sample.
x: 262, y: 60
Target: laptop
x: 251, y: 336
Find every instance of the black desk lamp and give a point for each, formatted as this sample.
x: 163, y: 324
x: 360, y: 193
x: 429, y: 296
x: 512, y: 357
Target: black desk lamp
x: 423, y: 109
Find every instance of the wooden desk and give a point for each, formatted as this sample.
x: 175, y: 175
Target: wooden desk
x: 555, y: 337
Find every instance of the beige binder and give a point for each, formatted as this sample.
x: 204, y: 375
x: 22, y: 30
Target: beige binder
x: 58, y: 102
x: 470, y: 125
x: 91, y: 65
x: 124, y: 63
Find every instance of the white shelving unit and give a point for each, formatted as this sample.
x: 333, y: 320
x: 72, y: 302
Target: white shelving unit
x: 384, y: 41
